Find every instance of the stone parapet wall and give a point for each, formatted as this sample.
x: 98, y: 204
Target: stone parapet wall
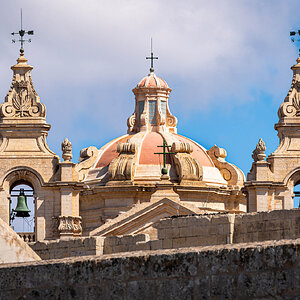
x: 266, y: 270
x: 69, y: 247
x: 179, y: 232
x: 219, y: 229
x: 184, y: 231
x: 264, y: 226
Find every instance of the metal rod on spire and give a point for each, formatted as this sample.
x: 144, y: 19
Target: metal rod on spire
x: 21, y: 33
x: 152, y: 57
x: 21, y: 20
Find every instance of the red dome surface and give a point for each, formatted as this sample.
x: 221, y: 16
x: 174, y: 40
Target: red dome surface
x: 152, y: 81
x: 147, y: 148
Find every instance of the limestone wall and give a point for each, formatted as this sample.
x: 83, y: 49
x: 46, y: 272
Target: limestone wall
x: 193, y: 231
x: 184, y: 231
x: 69, y: 247
x: 264, y: 226
x: 247, y: 271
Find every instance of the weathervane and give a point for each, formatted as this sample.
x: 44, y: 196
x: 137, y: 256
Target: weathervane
x: 152, y: 58
x: 165, y: 146
x: 21, y: 33
x: 295, y: 37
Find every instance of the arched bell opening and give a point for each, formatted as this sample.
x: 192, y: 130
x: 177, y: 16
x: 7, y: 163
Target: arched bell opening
x: 297, y: 194
x: 22, y: 209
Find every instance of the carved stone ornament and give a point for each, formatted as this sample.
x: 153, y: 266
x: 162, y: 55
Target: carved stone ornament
x: 259, y: 152
x: 87, y: 158
x: 187, y: 167
x: 131, y: 124
x: 232, y: 174
x: 69, y: 225
x: 22, y: 99
x: 122, y: 167
x: 66, y: 148
x: 21, y: 174
x: 291, y: 105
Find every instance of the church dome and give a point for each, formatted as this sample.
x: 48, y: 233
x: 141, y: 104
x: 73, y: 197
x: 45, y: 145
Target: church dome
x: 152, y: 81
x: 136, y: 158
x: 147, y: 165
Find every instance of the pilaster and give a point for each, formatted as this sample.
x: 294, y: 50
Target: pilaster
x: 69, y: 221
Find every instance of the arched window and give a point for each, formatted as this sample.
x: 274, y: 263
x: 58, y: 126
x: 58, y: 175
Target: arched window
x: 22, y: 210
x: 297, y: 195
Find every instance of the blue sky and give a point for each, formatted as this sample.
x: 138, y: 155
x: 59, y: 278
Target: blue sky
x: 228, y: 63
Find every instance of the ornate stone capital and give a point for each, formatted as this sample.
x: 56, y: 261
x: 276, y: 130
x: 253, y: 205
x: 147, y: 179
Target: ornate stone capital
x: 69, y: 225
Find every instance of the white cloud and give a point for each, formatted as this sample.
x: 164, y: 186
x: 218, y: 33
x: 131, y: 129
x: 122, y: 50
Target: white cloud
x: 88, y: 55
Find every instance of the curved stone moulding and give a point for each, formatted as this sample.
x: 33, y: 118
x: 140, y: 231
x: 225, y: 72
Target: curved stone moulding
x: 232, y: 174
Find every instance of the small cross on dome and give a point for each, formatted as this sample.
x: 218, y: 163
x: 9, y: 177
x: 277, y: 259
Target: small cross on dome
x: 152, y: 58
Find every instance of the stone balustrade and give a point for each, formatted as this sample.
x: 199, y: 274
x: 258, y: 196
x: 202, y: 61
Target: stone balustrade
x: 27, y: 236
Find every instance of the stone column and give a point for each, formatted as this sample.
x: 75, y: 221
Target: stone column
x: 69, y: 221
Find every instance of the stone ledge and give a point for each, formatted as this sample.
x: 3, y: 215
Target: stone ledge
x: 239, y: 246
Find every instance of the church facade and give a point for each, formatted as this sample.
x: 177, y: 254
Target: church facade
x: 149, y: 173
x: 124, y: 187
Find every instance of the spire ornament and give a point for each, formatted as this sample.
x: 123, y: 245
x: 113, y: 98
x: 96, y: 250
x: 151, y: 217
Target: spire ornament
x: 22, y: 101
x: 290, y: 108
x: 22, y: 33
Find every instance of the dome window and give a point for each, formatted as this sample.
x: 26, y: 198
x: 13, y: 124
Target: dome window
x: 141, y: 109
x: 163, y: 108
x: 152, y: 112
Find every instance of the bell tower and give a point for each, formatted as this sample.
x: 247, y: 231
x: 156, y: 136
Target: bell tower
x: 26, y: 159
x: 270, y: 183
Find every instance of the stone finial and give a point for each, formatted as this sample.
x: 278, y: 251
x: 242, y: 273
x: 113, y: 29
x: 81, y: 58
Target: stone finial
x: 259, y: 152
x: 66, y: 148
x: 22, y: 101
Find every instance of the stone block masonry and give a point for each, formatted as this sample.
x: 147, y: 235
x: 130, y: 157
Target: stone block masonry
x: 81, y: 246
x: 181, y: 232
x: 268, y: 270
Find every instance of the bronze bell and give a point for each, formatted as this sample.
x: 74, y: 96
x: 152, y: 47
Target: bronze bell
x: 22, y: 209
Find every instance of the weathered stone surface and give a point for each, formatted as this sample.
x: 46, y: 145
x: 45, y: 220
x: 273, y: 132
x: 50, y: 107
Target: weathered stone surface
x: 243, y: 271
x: 12, y: 247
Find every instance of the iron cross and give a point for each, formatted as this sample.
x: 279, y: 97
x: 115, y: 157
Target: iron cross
x: 152, y: 58
x: 21, y: 33
x: 164, y: 170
